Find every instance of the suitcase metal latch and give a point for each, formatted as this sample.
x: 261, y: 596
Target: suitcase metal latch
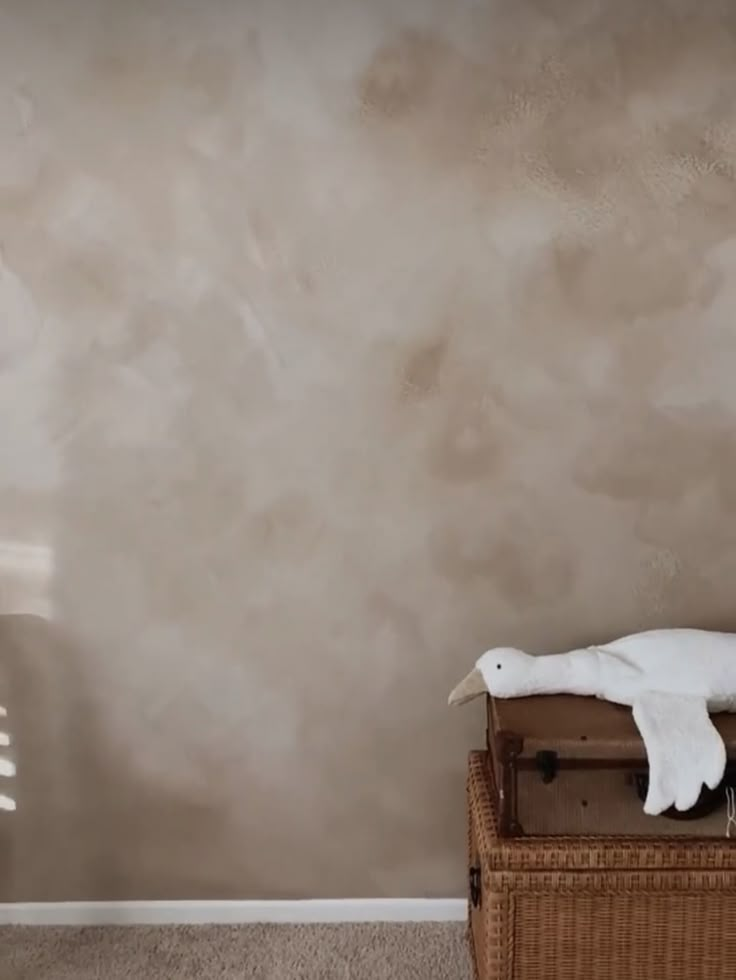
x: 548, y: 765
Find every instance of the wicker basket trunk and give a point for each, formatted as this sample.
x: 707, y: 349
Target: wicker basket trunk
x: 596, y: 908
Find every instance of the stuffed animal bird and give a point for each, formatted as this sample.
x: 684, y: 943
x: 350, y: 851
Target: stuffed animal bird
x: 671, y: 678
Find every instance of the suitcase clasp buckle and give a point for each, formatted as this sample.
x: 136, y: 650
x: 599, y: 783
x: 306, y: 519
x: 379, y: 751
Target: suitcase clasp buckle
x: 548, y: 764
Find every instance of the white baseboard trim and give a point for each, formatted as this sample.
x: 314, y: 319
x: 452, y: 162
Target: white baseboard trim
x: 232, y: 913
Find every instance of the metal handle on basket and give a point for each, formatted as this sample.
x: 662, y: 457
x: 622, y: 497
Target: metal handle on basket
x: 475, y: 880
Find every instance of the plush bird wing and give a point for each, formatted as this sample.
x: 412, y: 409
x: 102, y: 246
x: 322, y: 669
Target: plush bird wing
x: 683, y: 747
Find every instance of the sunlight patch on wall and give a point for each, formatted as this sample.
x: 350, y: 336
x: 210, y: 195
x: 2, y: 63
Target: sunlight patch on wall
x: 7, y: 766
x: 26, y: 572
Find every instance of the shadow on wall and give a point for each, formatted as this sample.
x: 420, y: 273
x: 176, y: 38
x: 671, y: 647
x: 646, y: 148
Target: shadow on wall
x: 77, y: 828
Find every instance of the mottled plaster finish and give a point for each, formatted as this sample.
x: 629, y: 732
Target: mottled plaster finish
x: 338, y: 341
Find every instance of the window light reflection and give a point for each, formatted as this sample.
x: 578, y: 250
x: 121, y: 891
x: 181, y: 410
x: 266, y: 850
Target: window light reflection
x: 7, y: 766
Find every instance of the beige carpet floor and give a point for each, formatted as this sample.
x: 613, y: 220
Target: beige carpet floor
x: 344, y: 952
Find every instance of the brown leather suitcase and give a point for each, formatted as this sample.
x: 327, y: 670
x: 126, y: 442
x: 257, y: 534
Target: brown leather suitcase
x: 567, y: 765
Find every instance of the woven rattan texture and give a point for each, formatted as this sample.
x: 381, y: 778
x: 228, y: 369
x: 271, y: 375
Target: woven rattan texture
x: 597, y: 908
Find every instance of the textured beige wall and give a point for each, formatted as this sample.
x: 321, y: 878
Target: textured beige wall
x: 338, y: 341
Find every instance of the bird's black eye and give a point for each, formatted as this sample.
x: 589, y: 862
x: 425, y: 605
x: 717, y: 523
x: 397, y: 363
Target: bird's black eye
x: 498, y: 666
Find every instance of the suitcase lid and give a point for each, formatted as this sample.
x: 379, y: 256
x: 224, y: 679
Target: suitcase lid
x: 578, y: 727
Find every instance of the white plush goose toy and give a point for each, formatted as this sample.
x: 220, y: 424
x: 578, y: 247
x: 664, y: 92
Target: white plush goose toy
x: 672, y: 678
